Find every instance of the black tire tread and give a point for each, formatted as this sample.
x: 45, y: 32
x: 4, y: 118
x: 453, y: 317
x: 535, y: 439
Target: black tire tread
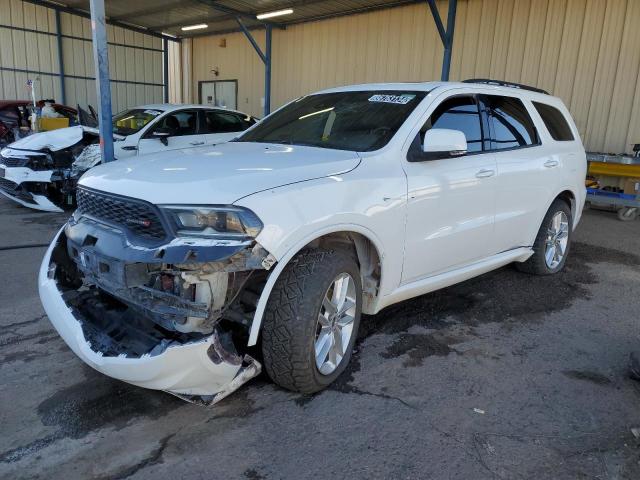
x: 535, y: 265
x: 286, y: 359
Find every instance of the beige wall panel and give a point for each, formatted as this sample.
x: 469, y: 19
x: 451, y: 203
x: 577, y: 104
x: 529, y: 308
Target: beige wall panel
x: 551, y: 41
x: 38, y: 52
x: 486, y: 33
x: 517, y: 40
x: 608, y: 59
x: 625, y: 86
x: 501, y: 34
x: 533, y: 42
x: 569, y: 46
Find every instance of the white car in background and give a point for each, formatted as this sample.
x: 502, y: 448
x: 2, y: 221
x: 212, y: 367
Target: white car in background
x: 41, y: 171
x: 176, y: 272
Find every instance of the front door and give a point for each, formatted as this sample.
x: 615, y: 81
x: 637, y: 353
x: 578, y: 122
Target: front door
x: 182, y: 126
x: 451, y: 202
x: 219, y: 93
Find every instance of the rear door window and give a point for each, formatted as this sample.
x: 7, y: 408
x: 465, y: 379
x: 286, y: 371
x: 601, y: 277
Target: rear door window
x: 510, y: 123
x: 223, y: 122
x: 555, y: 122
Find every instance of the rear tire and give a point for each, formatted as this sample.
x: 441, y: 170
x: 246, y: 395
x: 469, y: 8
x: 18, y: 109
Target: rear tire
x: 300, y: 321
x: 552, y: 244
x: 628, y: 214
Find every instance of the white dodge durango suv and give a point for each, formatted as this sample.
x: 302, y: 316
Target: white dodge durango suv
x: 187, y: 271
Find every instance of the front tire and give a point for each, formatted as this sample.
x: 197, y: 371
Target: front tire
x: 311, y: 320
x: 551, y: 246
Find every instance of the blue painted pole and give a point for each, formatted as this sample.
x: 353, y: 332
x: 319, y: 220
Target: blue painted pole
x: 103, y: 85
x: 63, y: 90
x: 267, y: 71
x: 448, y: 45
x: 165, y: 69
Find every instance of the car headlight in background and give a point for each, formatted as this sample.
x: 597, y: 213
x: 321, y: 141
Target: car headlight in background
x: 214, y: 221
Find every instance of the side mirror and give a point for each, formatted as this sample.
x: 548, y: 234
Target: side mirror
x: 442, y: 143
x: 162, y: 134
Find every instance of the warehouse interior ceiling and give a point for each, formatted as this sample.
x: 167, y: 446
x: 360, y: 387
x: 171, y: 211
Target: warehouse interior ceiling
x: 169, y: 16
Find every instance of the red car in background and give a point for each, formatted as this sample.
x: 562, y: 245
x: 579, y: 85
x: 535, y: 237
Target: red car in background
x: 15, y: 114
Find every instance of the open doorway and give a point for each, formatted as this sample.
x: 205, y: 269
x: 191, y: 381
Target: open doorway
x: 220, y: 93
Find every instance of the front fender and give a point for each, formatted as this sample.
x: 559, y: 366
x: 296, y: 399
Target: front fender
x: 297, y: 214
x: 284, y: 260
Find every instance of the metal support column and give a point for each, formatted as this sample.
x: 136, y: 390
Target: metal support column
x: 63, y: 90
x: 266, y: 59
x: 445, y: 35
x: 165, y: 69
x: 267, y: 72
x: 103, y: 86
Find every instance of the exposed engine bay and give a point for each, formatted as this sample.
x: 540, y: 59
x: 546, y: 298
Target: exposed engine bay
x: 134, y: 302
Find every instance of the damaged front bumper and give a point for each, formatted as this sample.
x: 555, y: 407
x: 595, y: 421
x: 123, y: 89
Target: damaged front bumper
x: 125, y: 341
x: 28, y: 187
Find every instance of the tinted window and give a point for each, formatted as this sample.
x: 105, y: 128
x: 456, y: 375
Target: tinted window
x: 357, y: 120
x: 178, y: 123
x: 511, y: 126
x: 129, y: 122
x: 458, y: 113
x: 222, y: 122
x: 554, y: 121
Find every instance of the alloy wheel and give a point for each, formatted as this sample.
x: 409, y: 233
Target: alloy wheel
x: 334, y: 327
x: 557, y: 240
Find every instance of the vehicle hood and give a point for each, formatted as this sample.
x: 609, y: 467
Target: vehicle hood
x: 55, y: 140
x: 216, y: 175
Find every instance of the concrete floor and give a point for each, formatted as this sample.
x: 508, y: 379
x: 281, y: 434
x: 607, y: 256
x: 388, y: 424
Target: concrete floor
x: 506, y: 376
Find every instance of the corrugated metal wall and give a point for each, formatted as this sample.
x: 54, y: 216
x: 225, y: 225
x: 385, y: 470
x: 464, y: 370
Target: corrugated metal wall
x: 30, y: 46
x: 585, y: 51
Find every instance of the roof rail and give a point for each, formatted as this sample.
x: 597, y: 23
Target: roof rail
x: 502, y: 83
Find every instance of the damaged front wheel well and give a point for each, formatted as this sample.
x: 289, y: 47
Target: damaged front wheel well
x: 365, y: 253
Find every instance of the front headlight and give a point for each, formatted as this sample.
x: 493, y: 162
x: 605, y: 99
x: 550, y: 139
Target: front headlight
x: 214, y: 222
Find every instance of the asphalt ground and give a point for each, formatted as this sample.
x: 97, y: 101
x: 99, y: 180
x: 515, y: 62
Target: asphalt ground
x: 506, y: 376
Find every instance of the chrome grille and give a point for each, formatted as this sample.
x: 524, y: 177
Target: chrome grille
x: 139, y: 218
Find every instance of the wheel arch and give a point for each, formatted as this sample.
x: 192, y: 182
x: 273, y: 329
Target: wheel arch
x: 568, y: 196
x: 367, y: 249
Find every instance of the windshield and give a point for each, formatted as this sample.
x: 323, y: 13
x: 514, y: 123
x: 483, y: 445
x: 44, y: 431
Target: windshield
x: 130, y: 121
x: 358, y: 121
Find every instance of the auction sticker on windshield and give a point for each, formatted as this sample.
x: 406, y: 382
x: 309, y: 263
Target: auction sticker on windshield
x: 399, y: 99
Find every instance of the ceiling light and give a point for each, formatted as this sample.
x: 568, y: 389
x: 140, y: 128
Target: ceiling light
x: 195, y: 27
x: 277, y: 13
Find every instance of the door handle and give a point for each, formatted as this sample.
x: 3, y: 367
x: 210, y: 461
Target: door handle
x: 484, y: 173
x: 551, y: 163
x: 196, y: 143
x: 130, y: 147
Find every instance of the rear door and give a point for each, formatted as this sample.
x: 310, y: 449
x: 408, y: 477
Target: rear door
x: 451, y: 201
x: 219, y: 126
x: 183, y: 128
x: 523, y: 181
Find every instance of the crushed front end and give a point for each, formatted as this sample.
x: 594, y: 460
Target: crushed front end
x: 145, y: 299
x: 45, y: 179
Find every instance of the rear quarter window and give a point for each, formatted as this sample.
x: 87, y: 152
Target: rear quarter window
x: 555, y: 122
